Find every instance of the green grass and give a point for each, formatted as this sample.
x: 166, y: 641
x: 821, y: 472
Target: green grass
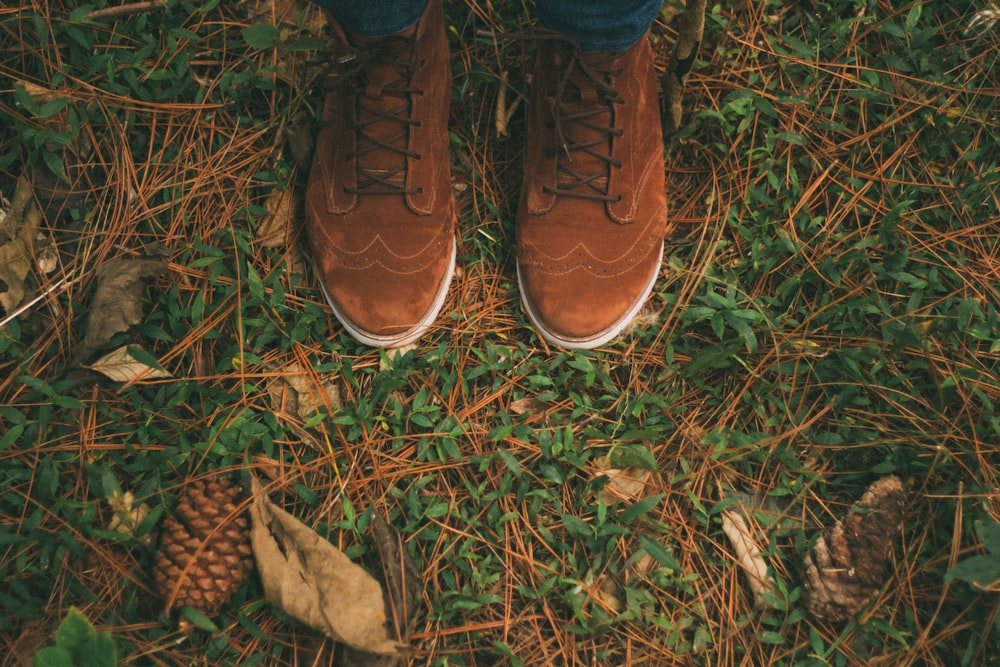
x: 827, y: 315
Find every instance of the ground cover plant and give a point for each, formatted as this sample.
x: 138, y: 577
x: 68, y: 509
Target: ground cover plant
x: 826, y: 317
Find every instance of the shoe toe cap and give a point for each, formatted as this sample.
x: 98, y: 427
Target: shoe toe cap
x: 581, y: 309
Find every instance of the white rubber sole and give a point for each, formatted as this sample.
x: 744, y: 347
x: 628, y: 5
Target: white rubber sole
x: 600, y: 338
x: 410, y: 335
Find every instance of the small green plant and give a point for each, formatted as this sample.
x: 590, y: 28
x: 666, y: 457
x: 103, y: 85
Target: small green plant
x: 982, y: 571
x: 78, y: 643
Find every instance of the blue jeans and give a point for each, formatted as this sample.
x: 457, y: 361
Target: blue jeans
x: 597, y: 25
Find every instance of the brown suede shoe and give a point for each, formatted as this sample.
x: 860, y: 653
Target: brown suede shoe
x: 379, y: 209
x: 592, y: 216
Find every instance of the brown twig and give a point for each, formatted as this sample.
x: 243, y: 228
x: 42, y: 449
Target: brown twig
x: 119, y: 11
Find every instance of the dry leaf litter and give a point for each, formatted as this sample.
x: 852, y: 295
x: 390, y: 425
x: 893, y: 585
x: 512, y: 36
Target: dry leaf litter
x: 315, y: 583
x: 117, y: 302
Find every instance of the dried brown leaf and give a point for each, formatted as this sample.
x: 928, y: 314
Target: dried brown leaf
x: 296, y: 392
x: 127, y: 516
x: 849, y: 565
x: 690, y: 31
x: 275, y: 230
x: 299, y: 137
x: 40, y: 94
x: 606, y: 590
x: 402, y: 585
x: 503, y: 110
x: 18, y: 221
x: 315, y: 583
x: 529, y: 405
x: 117, y: 302
x: 748, y: 552
x: 120, y: 366
x: 625, y: 484
x: 402, y: 577
x: 47, y: 254
x: 14, y: 268
x: 388, y: 361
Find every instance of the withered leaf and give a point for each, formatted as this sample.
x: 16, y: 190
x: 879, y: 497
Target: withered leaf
x: 748, y: 552
x: 403, y: 581
x: 402, y: 586
x: 117, y: 302
x: 303, y: 393
x: 18, y: 222
x: 848, y: 566
x: 626, y: 484
x: 504, y: 112
x: 40, y: 94
x: 300, y: 141
x: 314, y: 582
x: 690, y: 32
x: 14, y: 268
x: 275, y: 229
x: 128, y: 516
x: 529, y: 405
x: 21, y: 212
x: 120, y: 366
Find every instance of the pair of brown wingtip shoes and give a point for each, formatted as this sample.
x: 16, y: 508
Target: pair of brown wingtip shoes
x: 592, y: 217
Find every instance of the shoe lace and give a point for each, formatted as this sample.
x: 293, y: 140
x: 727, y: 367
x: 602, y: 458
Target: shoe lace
x: 579, y: 73
x: 593, y: 72
x: 382, y: 111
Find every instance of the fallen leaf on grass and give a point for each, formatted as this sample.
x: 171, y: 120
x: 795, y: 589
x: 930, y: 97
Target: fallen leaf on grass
x: 635, y: 455
x: 402, y: 578
x: 299, y: 137
x: 19, y: 219
x: 528, y: 405
x: 690, y: 31
x: 47, y: 254
x: 628, y: 485
x: 128, y: 516
x: 624, y: 484
x: 315, y: 583
x: 14, y: 268
x: 40, y: 94
x: 848, y: 566
x: 628, y: 469
x: 296, y: 391
x: 503, y: 110
x: 117, y: 302
x: 275, y: 229
x: 748, y: 553
x: 120, y: 366
x: 403, y: 585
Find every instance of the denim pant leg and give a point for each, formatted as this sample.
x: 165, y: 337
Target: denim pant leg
x: 374, y: 18
x: 599, y: 25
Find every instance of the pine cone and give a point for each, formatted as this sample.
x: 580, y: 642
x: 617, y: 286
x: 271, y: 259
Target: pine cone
x: 848, y: 566
x: 204, y: 554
